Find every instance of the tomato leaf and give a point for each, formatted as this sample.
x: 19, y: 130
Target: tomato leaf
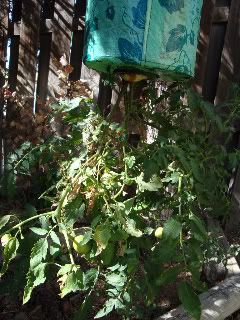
x: 102, y: 235
x: 172, y: 229
x: 190, y: 300
x: 9, y: 253
x: 39, y: 231
x: 35, y: 277
x: 4, y: 220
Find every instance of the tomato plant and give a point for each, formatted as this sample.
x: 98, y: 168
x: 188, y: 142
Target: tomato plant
x: 110, y: 196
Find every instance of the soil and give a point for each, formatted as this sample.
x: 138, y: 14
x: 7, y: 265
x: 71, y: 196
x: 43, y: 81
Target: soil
x: 45, y: 304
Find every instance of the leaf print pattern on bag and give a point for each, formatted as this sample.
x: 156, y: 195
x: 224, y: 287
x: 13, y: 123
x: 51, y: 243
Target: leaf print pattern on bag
x: 129, y: 51
x: 159, y: 36
x: 177, y: 39
x: 192, y: 37
x: 139, y: 14
x: 110, y: 12
x: 182, y: 69
x: 172, y: 5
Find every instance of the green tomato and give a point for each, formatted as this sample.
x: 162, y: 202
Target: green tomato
x: 81, y: 248
x: 159, y: 232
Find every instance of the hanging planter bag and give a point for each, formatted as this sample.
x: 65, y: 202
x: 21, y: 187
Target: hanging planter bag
x: 151, y: 36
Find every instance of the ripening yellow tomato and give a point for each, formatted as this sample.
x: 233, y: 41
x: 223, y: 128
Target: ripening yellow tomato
x: 159, y: 232
x: 81, y: 248
x: 133, y: 77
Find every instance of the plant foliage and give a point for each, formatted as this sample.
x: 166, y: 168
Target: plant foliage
x: 116, y: 193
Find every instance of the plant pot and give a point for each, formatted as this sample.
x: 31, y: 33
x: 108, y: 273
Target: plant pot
x: 156, y: 37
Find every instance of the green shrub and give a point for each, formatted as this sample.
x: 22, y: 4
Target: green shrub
x: 116, y: 194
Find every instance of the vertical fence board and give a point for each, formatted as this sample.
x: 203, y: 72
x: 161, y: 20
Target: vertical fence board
x: 230, y: 63
x: 3, y: 55
x: 77, y: 39
x: 3, y: 38
x: 203, y: 44
x: 48, y: 9
x: 13, y: 31
x: 229, y: 73
x: 13, y: 62
x: 61, y: 40
x: 43, y: 66
x: 76, y: 55
x: 214, y: 61
x: 28, y: 47
x: 104, y: 96
x: 16, y: 10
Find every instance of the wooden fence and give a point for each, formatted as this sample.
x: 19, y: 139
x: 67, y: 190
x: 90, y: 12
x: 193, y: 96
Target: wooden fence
x: 35, y: 33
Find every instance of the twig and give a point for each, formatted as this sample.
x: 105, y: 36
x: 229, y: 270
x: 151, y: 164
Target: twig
x: 68, y: 246
x: 17, y: 164
x: 28, y: 220
x: 120, y: 95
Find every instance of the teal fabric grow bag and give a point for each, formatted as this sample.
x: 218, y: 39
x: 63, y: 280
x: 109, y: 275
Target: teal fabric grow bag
x: 153, y: 36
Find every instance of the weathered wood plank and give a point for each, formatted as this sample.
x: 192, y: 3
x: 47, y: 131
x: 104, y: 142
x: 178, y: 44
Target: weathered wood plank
x: 3, y: 38
x: 217, y: 303
x: 215, y: 48
x: 232, y: 224
x: 28, y: 47
x: 230, y: 62
x: 203, y: 44
x: 61, y: 41
x: 47, y: 9
x: 43, y: 67
x: 76, y: 54
x: 104, y: 97
x: 77, y: 39
x: 220, y: 14
x: 16, y: 10
x: 13, y: 62
x: 3, y: 54
x: 232, y: 262
x: 79, y: 15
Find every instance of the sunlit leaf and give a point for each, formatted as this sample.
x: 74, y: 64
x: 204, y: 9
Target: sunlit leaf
x: 9, y: 253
